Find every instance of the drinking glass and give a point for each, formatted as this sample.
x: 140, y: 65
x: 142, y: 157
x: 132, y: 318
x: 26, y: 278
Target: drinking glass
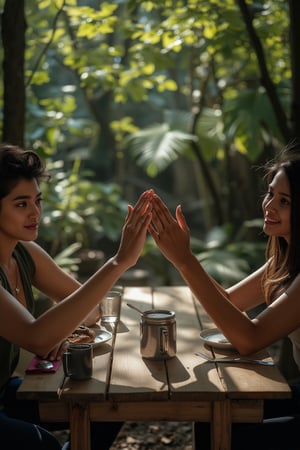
x: 110, y: 307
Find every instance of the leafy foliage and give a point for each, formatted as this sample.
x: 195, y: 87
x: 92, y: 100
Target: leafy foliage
x: 79, y: 210
x: 132, y: 49
x: 157, y: 81
x: 156, y: 147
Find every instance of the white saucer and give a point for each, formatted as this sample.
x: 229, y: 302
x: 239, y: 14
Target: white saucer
x: 101, y: 337
x: 215, y: 338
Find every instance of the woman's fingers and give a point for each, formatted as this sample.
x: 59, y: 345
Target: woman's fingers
x: 181, y: 219
x: 135, y: 229
x: 141, y: 207
x: 162, y: 218
x: 57, y: 351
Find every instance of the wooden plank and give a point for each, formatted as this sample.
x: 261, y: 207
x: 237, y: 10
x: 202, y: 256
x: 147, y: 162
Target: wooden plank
x: 221, y: 426
x: 246, y: 381
x: 134, y: 378
x: 79, y: 420
x: 136, y: 411
x: 57, y: 411
x: 153, y: 410
x: 247, y: 410
x: 205, y: 321
x: 189, y: 377
x: 41, y: 386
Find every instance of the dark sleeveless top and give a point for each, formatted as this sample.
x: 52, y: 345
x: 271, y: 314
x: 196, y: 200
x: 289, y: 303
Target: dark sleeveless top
x: 9, y: 353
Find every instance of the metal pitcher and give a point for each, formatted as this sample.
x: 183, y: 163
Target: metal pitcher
x: 158, y: 334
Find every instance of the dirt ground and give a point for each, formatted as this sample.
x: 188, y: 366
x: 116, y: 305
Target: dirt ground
x: 149, y: 436
x: 154, y: 436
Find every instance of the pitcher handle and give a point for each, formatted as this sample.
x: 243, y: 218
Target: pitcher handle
x: 65, y: 358
x: 164, y: 340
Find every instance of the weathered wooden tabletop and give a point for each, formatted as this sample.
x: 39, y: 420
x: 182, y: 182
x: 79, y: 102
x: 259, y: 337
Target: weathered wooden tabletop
x: 127, y: 387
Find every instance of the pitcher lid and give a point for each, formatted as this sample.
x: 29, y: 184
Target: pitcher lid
x: 159, y: 314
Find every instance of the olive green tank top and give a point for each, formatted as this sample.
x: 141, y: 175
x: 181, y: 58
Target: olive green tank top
x: 9, y: 353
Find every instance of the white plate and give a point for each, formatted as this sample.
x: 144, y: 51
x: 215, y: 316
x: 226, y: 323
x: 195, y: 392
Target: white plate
x: 215, y: 338
x: 101, y: 337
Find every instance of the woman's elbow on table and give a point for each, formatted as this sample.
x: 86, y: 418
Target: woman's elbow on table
x: 248, y: 345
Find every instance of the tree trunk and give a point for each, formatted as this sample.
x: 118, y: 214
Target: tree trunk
x: 13, y: 38
x: 294, y: 6
x: 266, y: 81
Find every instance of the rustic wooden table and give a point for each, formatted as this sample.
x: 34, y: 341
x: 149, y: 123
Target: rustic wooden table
x: 184, y: 388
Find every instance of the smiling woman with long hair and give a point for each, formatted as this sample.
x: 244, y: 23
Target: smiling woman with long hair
x: 276, y: 285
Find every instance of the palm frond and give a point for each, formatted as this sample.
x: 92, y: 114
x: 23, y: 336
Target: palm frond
x: 156, y: 147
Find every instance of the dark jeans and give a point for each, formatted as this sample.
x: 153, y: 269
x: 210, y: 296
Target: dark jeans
x: 21, y: 427
x: 278, y: 431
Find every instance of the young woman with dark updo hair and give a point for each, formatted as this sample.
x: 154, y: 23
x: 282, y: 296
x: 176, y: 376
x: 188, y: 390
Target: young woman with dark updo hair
x: 23, y: 265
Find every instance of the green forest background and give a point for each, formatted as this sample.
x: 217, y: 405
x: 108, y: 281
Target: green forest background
x: 188, y: 97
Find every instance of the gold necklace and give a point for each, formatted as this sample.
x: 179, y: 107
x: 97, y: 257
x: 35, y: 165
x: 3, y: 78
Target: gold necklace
x: 17, y: 289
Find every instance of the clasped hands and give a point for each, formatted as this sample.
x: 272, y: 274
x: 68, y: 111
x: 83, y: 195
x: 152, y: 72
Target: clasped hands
x: 171, y: 234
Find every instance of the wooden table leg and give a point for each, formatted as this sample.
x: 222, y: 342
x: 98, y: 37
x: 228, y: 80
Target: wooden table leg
x: 80, y: 426
x: 221, y: 426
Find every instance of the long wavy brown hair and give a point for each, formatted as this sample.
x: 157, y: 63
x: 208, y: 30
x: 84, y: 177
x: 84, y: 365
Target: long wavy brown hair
x: 284, y: 258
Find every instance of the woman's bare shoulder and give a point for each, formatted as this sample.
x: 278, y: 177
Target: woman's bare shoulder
x: 35, y: 250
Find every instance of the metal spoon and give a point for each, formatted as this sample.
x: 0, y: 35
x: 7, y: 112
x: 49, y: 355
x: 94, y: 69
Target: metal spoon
x: 134, y: 307
x: 44, y: 364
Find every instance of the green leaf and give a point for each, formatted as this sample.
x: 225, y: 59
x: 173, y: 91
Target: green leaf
x: 156, y: 147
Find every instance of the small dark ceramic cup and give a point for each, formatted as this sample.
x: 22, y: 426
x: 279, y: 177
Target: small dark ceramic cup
x: 78, y: 361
